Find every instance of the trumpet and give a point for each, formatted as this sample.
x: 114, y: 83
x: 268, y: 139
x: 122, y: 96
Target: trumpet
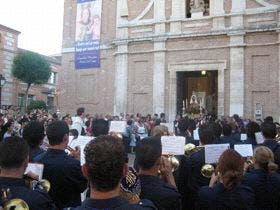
x: 12, y: 204
x: 174, y: 162
x: 34, y: 184
x: 191, y: 148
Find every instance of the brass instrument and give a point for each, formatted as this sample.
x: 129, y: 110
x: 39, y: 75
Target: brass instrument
x: 174, y: 162
x: 207, y: 170
x: 12, y: 204
x: 191, y: 148
x: 42, y: 184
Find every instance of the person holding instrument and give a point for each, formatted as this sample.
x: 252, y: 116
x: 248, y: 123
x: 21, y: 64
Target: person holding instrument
x: 163, y: 193
x: 264, y: 179
x: 13, y: 162
x: 105, y: 167
x: 225, y: 191
x: 63, y: 172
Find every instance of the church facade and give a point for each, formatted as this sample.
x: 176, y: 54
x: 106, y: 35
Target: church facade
x: 156, y: 54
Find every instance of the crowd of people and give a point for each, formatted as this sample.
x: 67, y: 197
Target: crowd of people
x: 109, y: 182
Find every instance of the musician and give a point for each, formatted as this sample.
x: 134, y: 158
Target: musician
x: 105, y: 167
x: 190, y: 177
x: 63, y: 171
x: 225, y: 191
x: 269, y: 132
x: 78, y: 121
x: 13, y: 162
x: 163, y: 193
x: 99, y: 127
x: 264, y: 180
x: 33, y: 134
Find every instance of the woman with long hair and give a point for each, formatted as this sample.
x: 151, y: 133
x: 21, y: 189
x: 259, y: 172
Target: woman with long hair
x: 225, y: 191
x: 264, y: 179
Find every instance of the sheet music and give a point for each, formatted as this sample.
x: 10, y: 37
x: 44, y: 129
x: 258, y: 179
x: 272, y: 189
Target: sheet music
x: 173, y: 145
x: 245, y: 150
x: 81, y: 141
x: 243, y: 137
x: 214, y: 151
x: 170, y: 127
x: 117, y: 126
x: 35, y: 168
x: 196, y: 135
x: 259, y: 137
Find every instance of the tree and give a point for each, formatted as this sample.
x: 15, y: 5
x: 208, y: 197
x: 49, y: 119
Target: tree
x: 31, y: 68
x: 36, y: 105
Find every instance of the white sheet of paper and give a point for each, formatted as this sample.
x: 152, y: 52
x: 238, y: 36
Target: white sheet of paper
x: 245, y: 150
x: 243, y: 137
x: 214, y: 151
x: 81, y: 141
x: 117, y: 126
x: 35, y: 168
x: 173, y: 145
x: 170, y: 127
x: 259, y: 137
x: 195, y: 135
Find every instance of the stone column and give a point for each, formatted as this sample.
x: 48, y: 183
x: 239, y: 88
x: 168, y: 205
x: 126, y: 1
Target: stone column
x: 221, y: 92
x: 197, y: 8
x: 238, y: 9
x: 121, y: 60
x: 159, y: 76
x: 172, y: 95
x: 178, y: 13
x: 159, y: 58
x: 236, y: 98
x: 217, y: 11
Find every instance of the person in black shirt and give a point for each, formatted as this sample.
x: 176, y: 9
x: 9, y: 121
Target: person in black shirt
x: 225, y: 191
x: 264, y: 180
x: 163, y: 193
x: 63, y: 171
x: 269, y: 132
x: 33, y: 134
x: 105, y: 167
x: 13, y: 162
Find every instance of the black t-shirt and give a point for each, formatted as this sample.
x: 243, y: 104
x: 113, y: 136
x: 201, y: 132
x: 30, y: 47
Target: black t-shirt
x: 117, y: 203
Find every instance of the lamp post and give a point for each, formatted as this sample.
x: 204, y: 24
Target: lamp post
x: 2, y: 82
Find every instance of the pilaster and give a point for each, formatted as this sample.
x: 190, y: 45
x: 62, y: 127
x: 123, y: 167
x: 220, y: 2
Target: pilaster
x: 159, y: 76
x: 121, y: 60
x: 236, y: 98
x: 217, y: 11
x: 178, y: 13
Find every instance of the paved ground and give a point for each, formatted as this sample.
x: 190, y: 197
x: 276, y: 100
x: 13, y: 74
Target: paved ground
x: 131, y: 158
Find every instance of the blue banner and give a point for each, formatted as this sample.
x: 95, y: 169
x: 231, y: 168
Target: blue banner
x: 87, y: 41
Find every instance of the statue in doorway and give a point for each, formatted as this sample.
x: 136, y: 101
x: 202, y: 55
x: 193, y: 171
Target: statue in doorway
x: 194, y: 105
x: 195, y: 4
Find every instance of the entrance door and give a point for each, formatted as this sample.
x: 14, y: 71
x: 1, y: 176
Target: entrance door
x: 202, y: 84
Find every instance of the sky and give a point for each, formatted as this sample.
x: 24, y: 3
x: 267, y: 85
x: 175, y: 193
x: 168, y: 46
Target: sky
x: 39, y: 21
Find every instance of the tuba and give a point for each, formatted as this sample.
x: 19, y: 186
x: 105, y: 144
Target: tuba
x: 12, y: 204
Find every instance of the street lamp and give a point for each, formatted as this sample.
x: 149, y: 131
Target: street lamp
x: 2, y: 82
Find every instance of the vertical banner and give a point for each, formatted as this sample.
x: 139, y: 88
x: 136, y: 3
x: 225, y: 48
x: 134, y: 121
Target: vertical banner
x: 87, y: 41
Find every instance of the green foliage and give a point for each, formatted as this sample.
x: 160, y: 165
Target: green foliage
x: 36, y: 105
x: 31, y: 68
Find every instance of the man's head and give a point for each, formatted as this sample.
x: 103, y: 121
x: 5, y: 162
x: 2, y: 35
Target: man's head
x: 100, y: 127
x: 105, y: 163
x: 206, y: 135
x: 57, y: 132
x: 269, y: 130
x: 148, y: 152
x: 34, y: 133
x: 80, y: 111
x: 13, y: 153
